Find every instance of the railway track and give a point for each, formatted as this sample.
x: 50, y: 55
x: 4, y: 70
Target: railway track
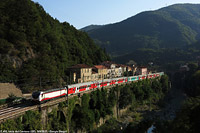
x: 17, y: 110
x: 14, y: 111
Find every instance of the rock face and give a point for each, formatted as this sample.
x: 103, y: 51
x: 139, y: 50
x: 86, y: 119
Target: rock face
x: 8, y: 88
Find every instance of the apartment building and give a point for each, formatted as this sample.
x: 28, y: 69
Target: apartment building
x: 101, y: 70
x: 81, y: 73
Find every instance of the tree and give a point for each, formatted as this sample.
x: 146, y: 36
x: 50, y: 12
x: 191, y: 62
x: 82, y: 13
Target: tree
x: 138, y: 91
x: 11, y: 98
x: 32, y: 121
x: 187, y: 119
x: 164, y: 83
x: 194, y: 89
x: 126, y: 97
x: 36, y: 48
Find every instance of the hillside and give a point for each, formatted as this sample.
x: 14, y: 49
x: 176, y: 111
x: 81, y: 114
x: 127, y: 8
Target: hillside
x: 91, y: 27
x: 36, y: 49
x: 176, y: 26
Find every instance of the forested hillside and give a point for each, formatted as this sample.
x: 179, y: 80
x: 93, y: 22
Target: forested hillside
x: 36, y: 49
x: 91, y: 27
x: 170, y: 58
x: 174, y: 27
x: 188, y: 116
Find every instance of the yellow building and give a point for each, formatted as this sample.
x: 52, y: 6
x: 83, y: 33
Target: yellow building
x: 95, y: 76
x: 80, y: 73
x: 101, y: 70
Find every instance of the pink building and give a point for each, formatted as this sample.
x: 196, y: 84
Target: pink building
x: 141, y: 71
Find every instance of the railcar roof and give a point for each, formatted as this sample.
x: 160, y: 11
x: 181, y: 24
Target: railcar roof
x: 52, y: 90
x: 92, y: 82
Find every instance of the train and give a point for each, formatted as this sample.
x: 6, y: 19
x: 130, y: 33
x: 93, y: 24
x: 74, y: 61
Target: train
x: 44, y: 96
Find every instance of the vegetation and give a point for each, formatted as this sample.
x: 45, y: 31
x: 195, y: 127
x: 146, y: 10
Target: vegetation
x: 2, y: 101
x: 85, y: 113
x: 31, y: 120
x: 187, y: 118
x: 173, y: 57
x: 168, y: 34
x: 36, y: 49
x: 151, y: 30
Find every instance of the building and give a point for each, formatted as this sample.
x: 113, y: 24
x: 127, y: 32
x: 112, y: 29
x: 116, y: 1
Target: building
x: 95, y: 76
x: 184, y: 68
x: 141, y: 71
x: 123, y: 69
x: 101, y: 70
x: 80, y: 73
x: 134, y: 70
x: 112, y: 70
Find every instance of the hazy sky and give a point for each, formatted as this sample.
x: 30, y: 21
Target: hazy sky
x: 81, y: 13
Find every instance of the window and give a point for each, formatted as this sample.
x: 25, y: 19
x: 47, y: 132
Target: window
x: 132, y: 78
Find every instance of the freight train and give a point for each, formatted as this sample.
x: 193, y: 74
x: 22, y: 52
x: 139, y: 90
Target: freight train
x: 43, y: 96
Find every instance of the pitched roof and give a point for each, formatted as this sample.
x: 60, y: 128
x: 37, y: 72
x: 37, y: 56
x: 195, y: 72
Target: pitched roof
x: 81, y: 66
x: 107, y: 64
x: 99, y: 66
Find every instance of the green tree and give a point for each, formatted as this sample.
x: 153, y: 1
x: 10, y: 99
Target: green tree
x: 126, y: 97
x: 194, y: 89
x: 164, y: 82
x: 32, y: 121
x: 187, y: 119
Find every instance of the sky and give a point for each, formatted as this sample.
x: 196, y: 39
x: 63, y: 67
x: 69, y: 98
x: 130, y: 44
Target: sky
x: 81, y: 13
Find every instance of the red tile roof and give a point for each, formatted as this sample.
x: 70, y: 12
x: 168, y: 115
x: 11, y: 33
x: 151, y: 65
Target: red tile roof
x: 99, y: 66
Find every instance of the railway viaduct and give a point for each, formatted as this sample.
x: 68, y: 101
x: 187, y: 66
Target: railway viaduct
x: 17, y: 110
x: 10, y: 112
x: 46, y: 108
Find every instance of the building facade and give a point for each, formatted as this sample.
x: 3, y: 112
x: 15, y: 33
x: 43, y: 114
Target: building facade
x: 80, y: 73
x: 112, y: 70
x: 141, y: 71
x: 101, y: 70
